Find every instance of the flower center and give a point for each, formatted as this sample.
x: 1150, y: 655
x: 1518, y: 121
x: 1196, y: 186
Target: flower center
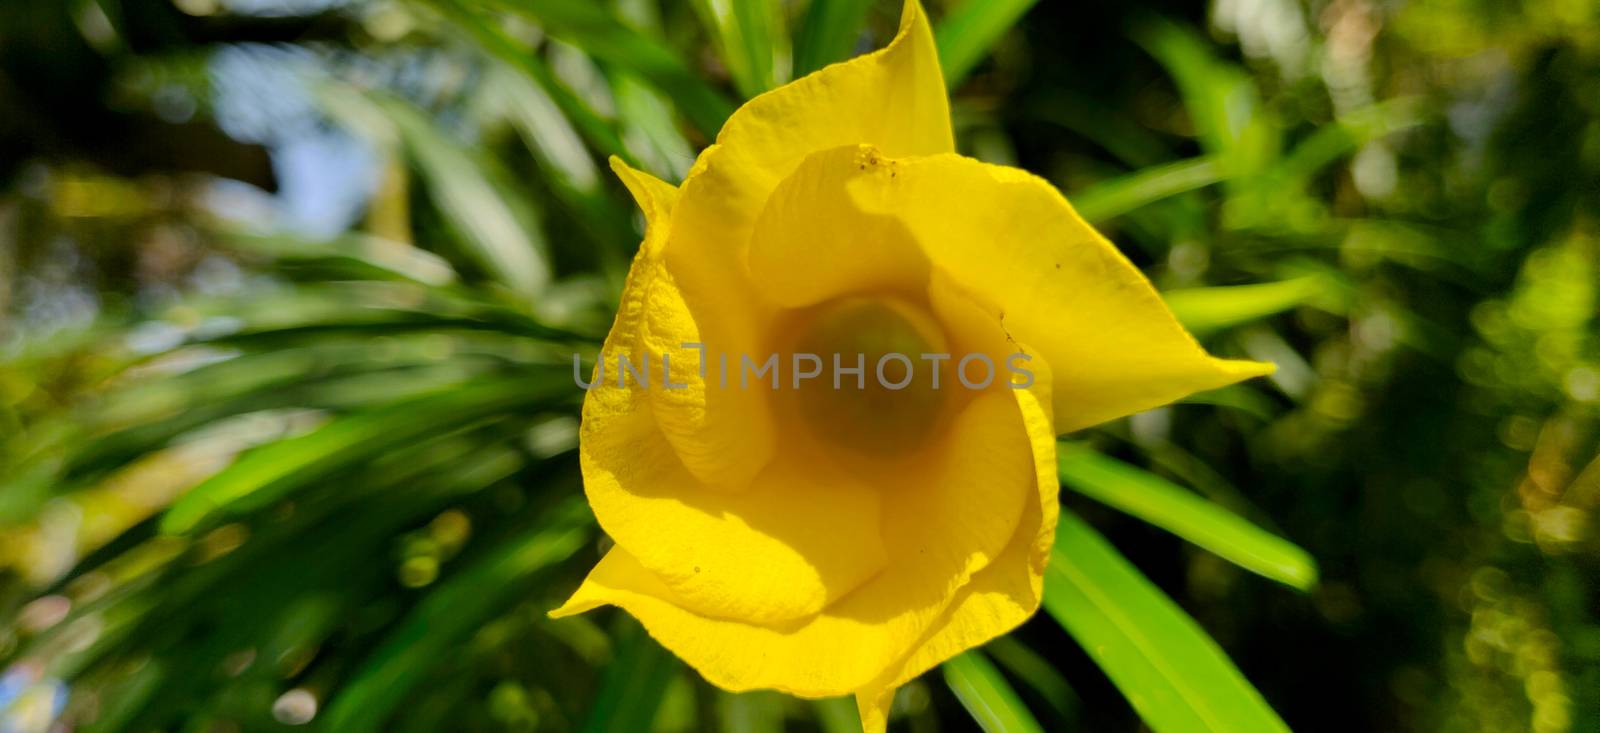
x: 885, y: 372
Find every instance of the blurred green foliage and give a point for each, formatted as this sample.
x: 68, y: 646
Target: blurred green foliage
x: 288, y: 290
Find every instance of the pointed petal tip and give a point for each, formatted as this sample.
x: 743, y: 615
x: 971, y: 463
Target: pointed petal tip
x: 653, y: 196
x: 910, y: 12
x: 1247, y: 369
x: 580, y: 601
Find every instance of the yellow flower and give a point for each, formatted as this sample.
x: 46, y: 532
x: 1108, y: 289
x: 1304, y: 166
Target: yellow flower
x: 827, y: 541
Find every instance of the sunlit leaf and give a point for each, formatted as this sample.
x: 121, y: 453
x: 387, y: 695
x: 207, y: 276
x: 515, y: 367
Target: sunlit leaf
x: 377, y: 258
x: 547, y: 132
x: 1112, y: 198
x: 1347, y: 134
x: 276, y: 470
x: 1203, y: 310
x: 986, y: 695
x: 1183, y: 513
x: 496, y: 42
x: 1033, y: 670
x: 648, y: 130
x: 591, y: 27
x: 828, y: 34
x: 496, y: 226
x: 1174, y: 674
x: 1233, y: 126
x: 752, y: 40
x: 970, y: 30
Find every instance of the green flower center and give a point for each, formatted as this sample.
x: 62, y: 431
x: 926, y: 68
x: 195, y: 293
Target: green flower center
x: 884, y: 374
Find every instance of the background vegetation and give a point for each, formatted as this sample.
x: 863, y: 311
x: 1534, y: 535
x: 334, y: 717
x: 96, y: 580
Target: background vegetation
x: 287, y: 286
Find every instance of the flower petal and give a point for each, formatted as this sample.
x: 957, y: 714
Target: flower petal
x: 812, y: 242
x: 784, y: 548
x: 894, y: 98
x: 1001, y: 596
x: 724, y: 437
x: 1010, y: 589
x: 938, y: 531
x: 1010, y: 239
x: 781, y: 548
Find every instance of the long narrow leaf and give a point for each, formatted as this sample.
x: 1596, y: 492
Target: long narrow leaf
x: 750, y: 36
x: 549, y: 135
x: 837, y: 715
x: 1347, y: 134
x: 759, y: 711
x: 1222, y: 100
x: 1118, y: 196
x: 828, y: 33
x: 648, y: 129
x: 275, y: 470
x: 1203, y: 310
x: 967, y: 34
x: 377, y: 258
x: 1173, y: 673
x: 589, y: 26
x: 1185, y: 514
x: 496, y: 227
x: 595, y: 129
x: 986, y: 695
x: 1034, y: 671
x: 448, y: 615
x: 633, y: 685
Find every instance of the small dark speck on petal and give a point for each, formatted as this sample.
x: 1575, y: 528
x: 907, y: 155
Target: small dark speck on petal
x: 697, y: 568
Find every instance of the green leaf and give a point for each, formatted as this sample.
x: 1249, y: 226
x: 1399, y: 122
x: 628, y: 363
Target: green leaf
x: 1121, y: 136
x: 828, y: 34
x: 444, y: 619
x: 649, y: 130
x: 837, y: 715
x: 493, y: 39
x: 750, y: 36
x: 758, y: 711
x: 1347, y: 134
x: 376, y: 258
x: 364, y: 308
x: 965, y: 35
x: 634, y: 683
x: 1185, y: 514
x: 567, y: 165
x: 549, y: 135
x: 1222, y: 100
x: 1203, y: 310
x: 273, y: 471
x: 1117, y: 196
x: 590, y: 27
x: 496, y: 226
x: 1034, y: 671
x: 986, y: 695
x: 1175, y: 676
x: 1245, y: 399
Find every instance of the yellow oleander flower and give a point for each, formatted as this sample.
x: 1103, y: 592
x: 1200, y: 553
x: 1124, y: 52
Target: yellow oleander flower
x: 822, y: 531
